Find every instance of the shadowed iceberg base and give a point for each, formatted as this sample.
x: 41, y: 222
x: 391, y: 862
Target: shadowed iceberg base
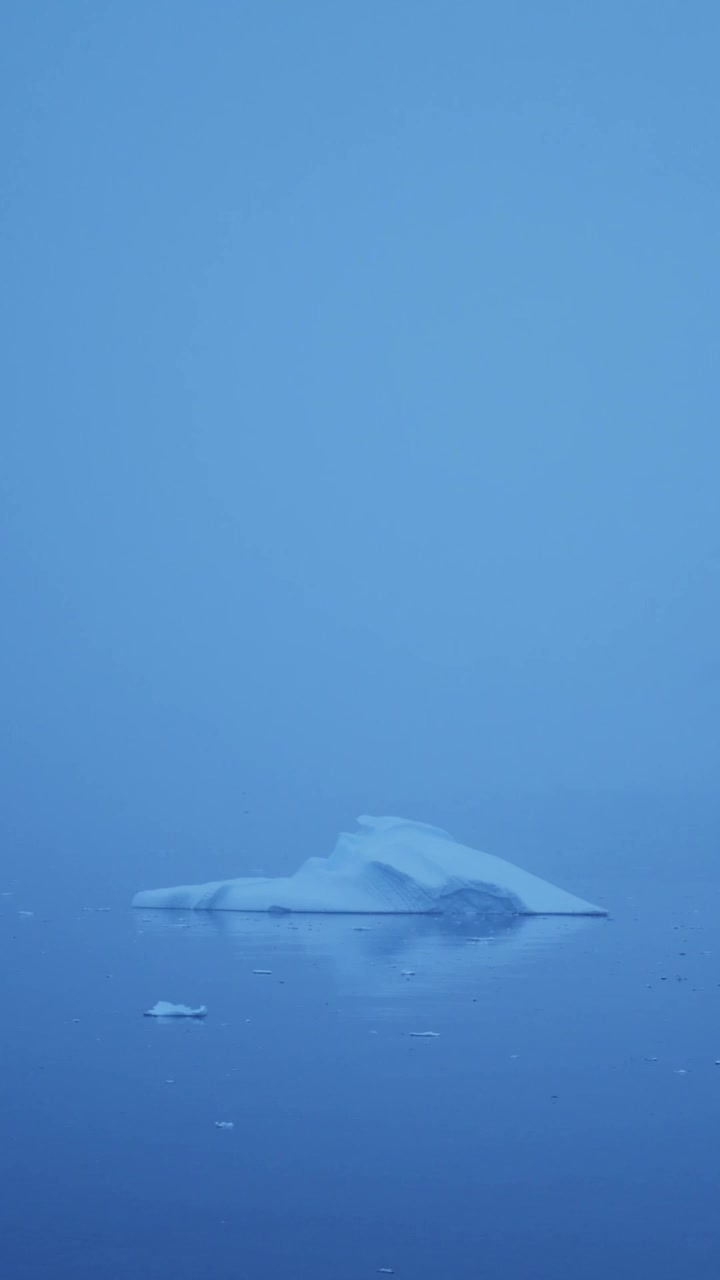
x: 391, y: 866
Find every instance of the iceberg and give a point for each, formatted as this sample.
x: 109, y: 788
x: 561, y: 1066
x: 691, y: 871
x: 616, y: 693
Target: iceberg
x: 391, y: 866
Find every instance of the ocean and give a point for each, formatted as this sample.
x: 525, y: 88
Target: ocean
x: 560, y: 1122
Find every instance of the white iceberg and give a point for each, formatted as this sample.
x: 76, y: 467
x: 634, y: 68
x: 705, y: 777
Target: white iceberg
x: 164, y: 1009
x: 390, y: 867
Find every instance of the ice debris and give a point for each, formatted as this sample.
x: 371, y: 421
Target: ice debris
x: 390, y: 866
x: 164, y: 1009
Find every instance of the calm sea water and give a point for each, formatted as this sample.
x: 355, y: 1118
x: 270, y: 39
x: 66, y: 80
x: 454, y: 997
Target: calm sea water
x: 563, y: 1122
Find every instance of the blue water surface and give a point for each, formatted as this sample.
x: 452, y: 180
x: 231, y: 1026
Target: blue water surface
x: 563, y: 1121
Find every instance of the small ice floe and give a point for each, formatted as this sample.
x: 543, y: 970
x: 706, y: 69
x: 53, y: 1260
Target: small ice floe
x: 26, y: 913
x: 425, y: 1035
x: 224, y: 1124
x: 385, y: 1271
x: 263, y: 972
x: 164, y: 1009
x: 407, y: 973
x: 96, y: 908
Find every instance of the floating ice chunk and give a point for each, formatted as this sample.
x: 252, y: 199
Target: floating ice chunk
x: 164, y: 1009
x: 263, y: 972
x: 224, y: 1124
x: 391, y: 866
x: 425, y: 1035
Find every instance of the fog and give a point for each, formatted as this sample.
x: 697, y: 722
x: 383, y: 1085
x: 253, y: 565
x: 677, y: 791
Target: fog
x: 361, y: 437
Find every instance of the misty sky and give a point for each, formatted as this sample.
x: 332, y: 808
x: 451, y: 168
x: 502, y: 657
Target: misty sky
x: 360, y: 402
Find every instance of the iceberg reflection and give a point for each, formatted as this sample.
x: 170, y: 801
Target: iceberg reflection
x: 367, y: 951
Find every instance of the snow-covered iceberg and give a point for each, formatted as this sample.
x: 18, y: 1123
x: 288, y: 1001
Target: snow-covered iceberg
x: 391, y: 867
